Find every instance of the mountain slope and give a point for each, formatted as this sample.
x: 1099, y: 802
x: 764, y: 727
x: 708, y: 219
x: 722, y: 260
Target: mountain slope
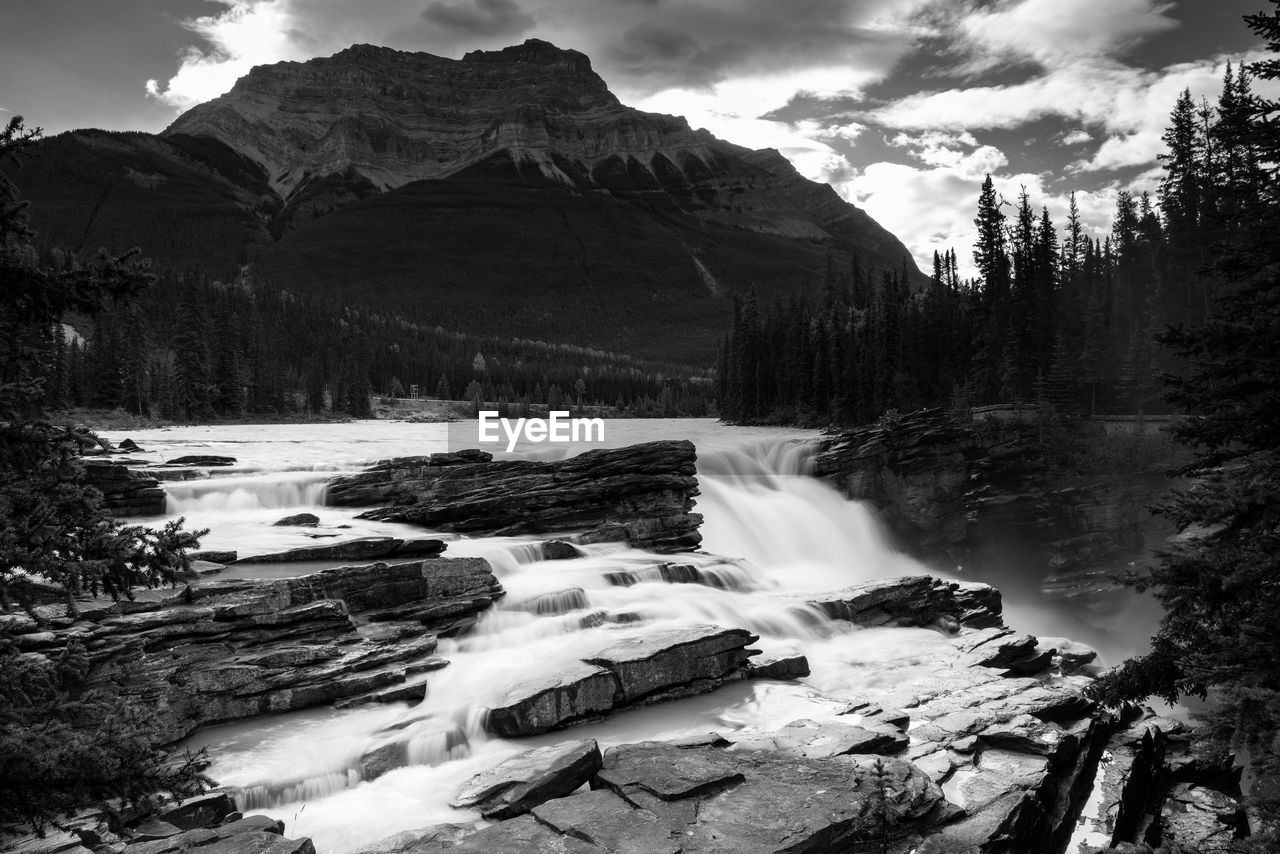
x: 507, y: 193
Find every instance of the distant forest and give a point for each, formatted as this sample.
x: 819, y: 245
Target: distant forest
x: 1054, y: 318
x: 193, y: 349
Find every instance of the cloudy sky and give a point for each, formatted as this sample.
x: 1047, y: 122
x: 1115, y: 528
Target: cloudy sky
x: 902, y: 105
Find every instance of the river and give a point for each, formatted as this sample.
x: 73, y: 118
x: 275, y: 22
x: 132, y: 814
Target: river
x: 770, y: 532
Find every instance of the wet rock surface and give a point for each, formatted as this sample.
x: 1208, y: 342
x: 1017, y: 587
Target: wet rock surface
x: 363, y: 548
x: 224, y: 650
x: 125, y: 491
x: 952, y: 490
x: 659, y: 665
x: 522, y: 782
x: 914, y: 600
x: 205, y: 825
x: 642, y: 494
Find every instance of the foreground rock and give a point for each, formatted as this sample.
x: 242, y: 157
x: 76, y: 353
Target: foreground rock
x: 642, y: 494
x: 658, y: 797
x: 204, y: 825
x: 660, y: 665
x: 522, y: 782
x: 224, y: 650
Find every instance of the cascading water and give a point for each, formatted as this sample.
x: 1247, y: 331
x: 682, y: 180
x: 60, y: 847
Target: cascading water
x: 771, y: 533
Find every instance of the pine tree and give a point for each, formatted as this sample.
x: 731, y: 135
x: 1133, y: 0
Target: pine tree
x: 62, y: 749
x: 1221, y: 628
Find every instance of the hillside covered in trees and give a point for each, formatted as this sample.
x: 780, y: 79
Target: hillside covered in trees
x: 191, y: 349
x: 1055, y: 316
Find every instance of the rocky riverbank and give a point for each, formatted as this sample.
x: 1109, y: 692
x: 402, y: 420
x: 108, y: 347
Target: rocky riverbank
x: 992, y: 747
x: 970, y: 493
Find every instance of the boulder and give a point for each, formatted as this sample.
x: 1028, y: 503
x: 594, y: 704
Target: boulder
x: 308, y: 520
x: 1204, y: 820
x: 202, y: 811
x: 559, y: 550
x: 202, y: 460
x: 913, y: 600
x: 520, y: 783
x: 659, y: 665
x: 642, y: 494
x: 778, y: 665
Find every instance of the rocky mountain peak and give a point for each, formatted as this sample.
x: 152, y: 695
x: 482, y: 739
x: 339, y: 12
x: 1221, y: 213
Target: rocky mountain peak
x: 392, y: 117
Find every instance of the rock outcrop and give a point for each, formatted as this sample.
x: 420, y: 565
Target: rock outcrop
x: 528, y: 779
x: 362, y: 548
x: 969, y: 492
x: 642, y: 494
x: 208, y: 824
x: 125, y: 491
x: 223, y: 650
x: 913, y: 600
x: 658, y: 665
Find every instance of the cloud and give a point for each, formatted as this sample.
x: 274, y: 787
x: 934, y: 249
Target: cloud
x: 1055, y: 34
x: 1076, y: 137
x: 246, y: 34
x: 487, y: 18
x: 931, y: 208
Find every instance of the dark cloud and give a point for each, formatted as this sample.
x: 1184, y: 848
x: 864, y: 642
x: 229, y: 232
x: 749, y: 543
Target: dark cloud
x: 698, y: 44
x: 655, y: 40
x: 483, y: 18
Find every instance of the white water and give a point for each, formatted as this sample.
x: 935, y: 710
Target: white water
x: 771, y: 534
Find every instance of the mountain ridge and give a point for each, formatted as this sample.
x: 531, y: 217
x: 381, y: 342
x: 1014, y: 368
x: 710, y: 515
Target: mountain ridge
x: 525, y: 198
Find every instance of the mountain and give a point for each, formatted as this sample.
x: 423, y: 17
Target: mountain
x: 508, y: 193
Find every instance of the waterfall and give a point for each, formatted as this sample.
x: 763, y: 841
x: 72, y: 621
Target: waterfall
x: 272, y: 491
x: 772, y: 534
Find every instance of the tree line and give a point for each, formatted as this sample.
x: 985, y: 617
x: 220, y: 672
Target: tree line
x: 1054, y: 317
x: 192, y: 349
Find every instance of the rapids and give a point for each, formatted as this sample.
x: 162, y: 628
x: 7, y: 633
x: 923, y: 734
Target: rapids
x: 770, y: 533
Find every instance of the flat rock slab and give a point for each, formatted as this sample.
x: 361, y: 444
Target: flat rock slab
x: 577, y: 692
x: 654, y: 798
x: 660, y: 665
x: 364, y: 548
x: 667, y: 659
x: 602, y: 818
x: 523, y: 835
x: 520, y: 783
x: 813, y: 739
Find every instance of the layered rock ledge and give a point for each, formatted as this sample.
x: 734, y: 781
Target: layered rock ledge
x: 223, y: 650
x: 642, y: 494
x: 660, y: 665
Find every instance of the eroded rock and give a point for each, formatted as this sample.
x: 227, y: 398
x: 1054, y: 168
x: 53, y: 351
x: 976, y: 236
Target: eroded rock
x: 522, y: 782
x: 642, y: 494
